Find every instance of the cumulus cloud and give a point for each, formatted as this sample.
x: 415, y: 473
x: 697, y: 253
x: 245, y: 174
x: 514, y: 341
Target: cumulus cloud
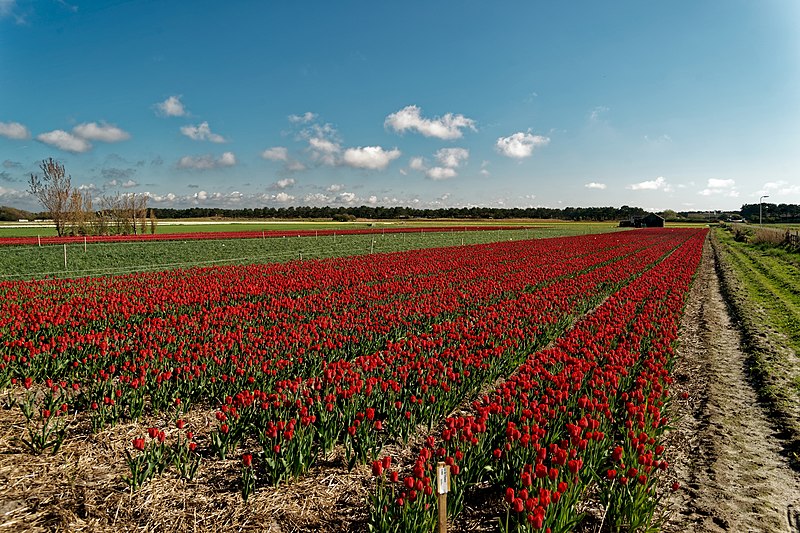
x: 452, y: 157
x: 276, y: 153
x: 440, y: 173
x: 283, y: 197
x: 324, y: 150
x: 595, y: 185
x: 370, y: 157
x: 284, y: 183
x: 206, y: 162
x: 448, y: 160
x: 305, y: 118
x: 171, y: 107
x: 658, y: 184
x: 92, y: 131
x: 65, y: 141
x: 14, y: 130
x: 202, y: 132
x: 520, y: 145
x: 336, y: 187
x: 780, y: 188
x: 448, y: 127
x: 716, y: 186
x: 129, y: 184
x: 417, y: 163
x: 160, y: 198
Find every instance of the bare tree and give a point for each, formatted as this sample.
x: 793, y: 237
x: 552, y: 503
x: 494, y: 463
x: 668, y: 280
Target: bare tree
x: 128, y: 212
x: 153, y: 222
x: 53, y: 190
x: 80, y: 214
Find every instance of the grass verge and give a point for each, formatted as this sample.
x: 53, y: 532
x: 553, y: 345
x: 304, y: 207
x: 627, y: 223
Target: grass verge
x: 760, y: 289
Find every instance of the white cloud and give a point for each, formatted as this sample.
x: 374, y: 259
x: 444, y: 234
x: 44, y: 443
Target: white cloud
x: 449, y: 159
x: 284, y: 183
x: 13, y: 195
x: 324, y: 150
x: 130, y: 183
x: 201, y: 195
x: 448, y: 127
x: 305, y: 118
x: 65, y: 141
x: 317, y: 198
x: 370, y: 157
x: 346, y: 198
x: 171, y: 107
x: 276, y: 153
x: 160, y: 198
x: 520, y: 145
x: 595, y: 185
x: 716, y: 186
x: 205, y: 162
x: 283, y: 197
x: 658, y: 184
x: 780, y: 188
x: 14, y: 130
x: 202, y: 132
x: 227, y: 159
x: 295, y: 166
x: 417, y: 163
x: 452, y: 157
x: 103, y: 132
x: 336, y: 187
x: 484, y: 168
x: 440, y: 173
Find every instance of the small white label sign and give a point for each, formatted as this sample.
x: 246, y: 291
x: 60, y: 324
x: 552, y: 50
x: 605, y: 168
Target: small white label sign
x: 443, y: 479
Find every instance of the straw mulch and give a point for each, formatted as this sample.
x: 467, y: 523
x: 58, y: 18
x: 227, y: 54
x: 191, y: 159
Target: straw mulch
x: 82, y: 487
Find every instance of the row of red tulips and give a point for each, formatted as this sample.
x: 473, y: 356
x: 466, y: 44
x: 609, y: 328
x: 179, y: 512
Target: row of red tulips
x: 585, y: 415
x: 252, y: 234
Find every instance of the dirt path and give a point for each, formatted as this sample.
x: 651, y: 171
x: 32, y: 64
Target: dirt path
x: 727, y: 455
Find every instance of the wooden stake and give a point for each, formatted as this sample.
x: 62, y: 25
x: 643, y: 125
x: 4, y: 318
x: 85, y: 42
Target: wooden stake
x: 442, y: 488
x: 40, y: 240
x: 65, y: 257
x: 84, y: 244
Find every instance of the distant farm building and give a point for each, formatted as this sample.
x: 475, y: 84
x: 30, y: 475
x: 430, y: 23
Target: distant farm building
x: 651, y: 220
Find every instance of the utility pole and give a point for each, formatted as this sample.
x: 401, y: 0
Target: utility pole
x: 760, y: 217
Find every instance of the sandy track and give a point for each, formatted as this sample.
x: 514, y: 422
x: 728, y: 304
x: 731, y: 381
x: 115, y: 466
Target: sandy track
x: 726, y: 453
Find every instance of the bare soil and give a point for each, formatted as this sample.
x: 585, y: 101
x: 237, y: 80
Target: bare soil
x: 726, y: 451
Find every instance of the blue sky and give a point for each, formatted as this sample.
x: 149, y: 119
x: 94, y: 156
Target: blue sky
x: 685, y: 105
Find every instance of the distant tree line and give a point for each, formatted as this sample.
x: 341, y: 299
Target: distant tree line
x: 381, y: 213
x: 772, y: 212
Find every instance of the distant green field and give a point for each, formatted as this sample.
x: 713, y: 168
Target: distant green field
x: 27, y: 262
x: 8, y: 229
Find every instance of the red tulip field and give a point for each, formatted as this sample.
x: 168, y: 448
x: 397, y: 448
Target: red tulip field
x: 538, y: 370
